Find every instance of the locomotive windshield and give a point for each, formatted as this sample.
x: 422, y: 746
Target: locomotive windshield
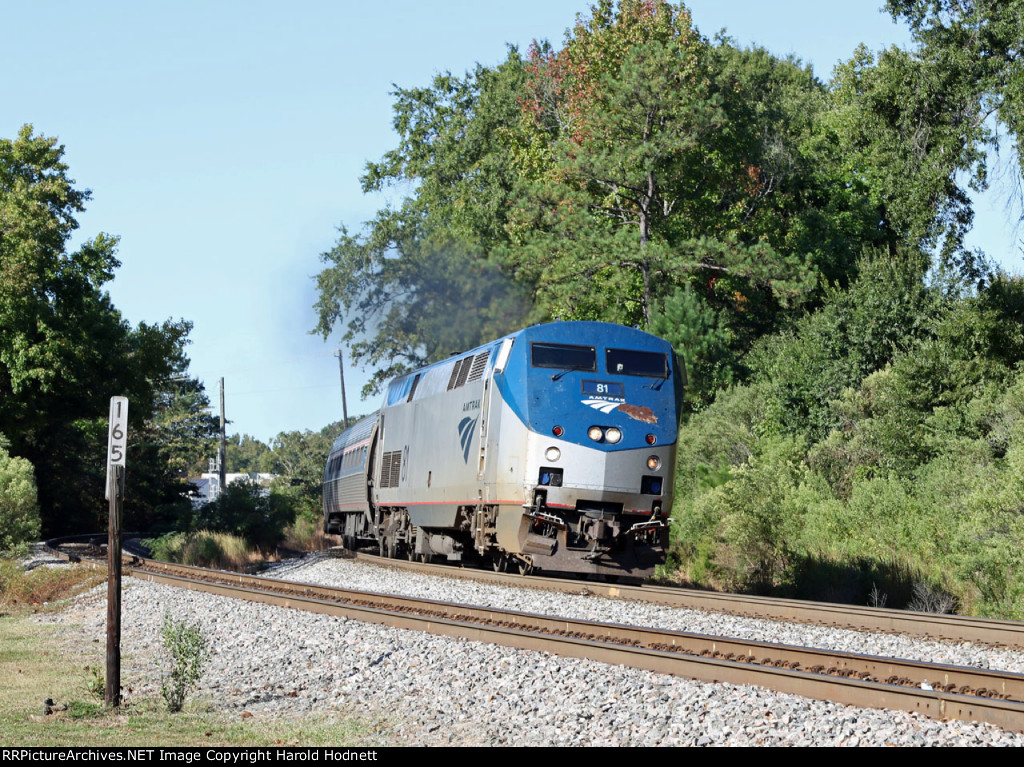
x: 628, y: 362
x: 563, y: 357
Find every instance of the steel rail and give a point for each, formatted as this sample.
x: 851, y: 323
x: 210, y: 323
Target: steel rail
x: 938, y: 627
x: 727, y: 660
x: 713, y: 659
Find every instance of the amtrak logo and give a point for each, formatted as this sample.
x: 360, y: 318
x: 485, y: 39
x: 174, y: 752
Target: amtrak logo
x: 601, y: 404
x: 636, y: 412
x: 466, y: 428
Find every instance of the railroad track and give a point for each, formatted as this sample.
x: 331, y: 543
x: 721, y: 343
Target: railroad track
x: 938, y: 627
x: 935, y: 690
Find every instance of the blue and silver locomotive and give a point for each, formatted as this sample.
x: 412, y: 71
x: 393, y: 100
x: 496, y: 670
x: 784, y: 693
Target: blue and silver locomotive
x: 552, y: 448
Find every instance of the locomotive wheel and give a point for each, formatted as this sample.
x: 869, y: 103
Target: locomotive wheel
x: 410, y: 552
x: 499, y: 562
x: 382, y: 547
x: 525, y: 568
x: 392, y: 547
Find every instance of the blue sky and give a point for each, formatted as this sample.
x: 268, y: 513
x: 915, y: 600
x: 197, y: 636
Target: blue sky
x: 223, y: 142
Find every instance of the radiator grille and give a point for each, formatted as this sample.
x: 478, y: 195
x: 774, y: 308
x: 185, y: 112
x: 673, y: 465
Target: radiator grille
x: 391, y: 468
x: 479, y: 363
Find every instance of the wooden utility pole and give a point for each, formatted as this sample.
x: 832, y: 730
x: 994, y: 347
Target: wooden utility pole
x: 112, y: 691
x: 222, y: 452
x: 117, y: 440
x: 344, y: 404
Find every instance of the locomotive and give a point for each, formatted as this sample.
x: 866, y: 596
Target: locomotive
x: 551, y: 449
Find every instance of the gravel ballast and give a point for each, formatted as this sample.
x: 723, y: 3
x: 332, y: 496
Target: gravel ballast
x: 268, y: 661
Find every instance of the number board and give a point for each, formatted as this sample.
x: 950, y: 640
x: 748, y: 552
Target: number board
x: 609, y: 389
x: 117, y: 437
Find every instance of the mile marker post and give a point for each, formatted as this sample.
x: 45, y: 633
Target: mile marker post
x: 117, y: 438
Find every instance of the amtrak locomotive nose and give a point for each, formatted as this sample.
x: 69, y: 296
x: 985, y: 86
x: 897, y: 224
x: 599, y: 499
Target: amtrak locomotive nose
x: 552, y: 448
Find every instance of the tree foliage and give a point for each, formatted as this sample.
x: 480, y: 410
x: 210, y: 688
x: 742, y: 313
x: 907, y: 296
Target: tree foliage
x: 19, y: 510
x: 980, y: 41
x: 637, y: 166
x: 855, y: 370
x: 65, y: 350
x: 913, y: 132
x: 856, y: 332
x: 650, y: 177
x: 246, y: 510
x: 908, y: 400
x: 418, y: 283
x: 298, y: 458
x: 246, y: 454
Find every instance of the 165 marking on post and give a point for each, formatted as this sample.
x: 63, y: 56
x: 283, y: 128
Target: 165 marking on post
x: 117, y: 436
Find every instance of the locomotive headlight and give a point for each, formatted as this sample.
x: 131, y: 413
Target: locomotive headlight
x: 595, y: 433
x: 552, y: 454
x: 613, y: 435
x: 653, y: 463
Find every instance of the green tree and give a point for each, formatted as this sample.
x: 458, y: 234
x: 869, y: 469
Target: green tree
x: 247, y: 454
x: 636, y: 164
x: 247, y: 510
x: 645, y: 186
x: 182, y: 422
x: 64, y: 348
x: 298, y: 458
x: 857, y: 331
x: 912, y: 131
x: 804, y: 198
x: 703, y: 340
x: 19, y: 511
x: 980, y: 41
x: 396, y: 287
x: 178, y: 434
x: 628, y: 114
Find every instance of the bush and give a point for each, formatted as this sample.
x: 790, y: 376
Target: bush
x: 187, y: 647
x: 166, y: 548
x: 306, y: 534
x: 721, y: 437
x: 856, y: 332
x: 763, y: 520
x: 244, y: 510
x: 204, y: 548
x: 19, y: 511
x: 744, y: 533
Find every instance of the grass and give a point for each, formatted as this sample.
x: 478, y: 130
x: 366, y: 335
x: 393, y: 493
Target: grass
x: 22, y: 590
x: 203, y: 548
x: 38, y: 662
x: 305, y: 534
x: 223, y: 551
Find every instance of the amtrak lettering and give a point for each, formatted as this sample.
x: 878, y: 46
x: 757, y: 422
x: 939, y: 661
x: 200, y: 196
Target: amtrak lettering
x: 473, y: 404
x: 636, y: 412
